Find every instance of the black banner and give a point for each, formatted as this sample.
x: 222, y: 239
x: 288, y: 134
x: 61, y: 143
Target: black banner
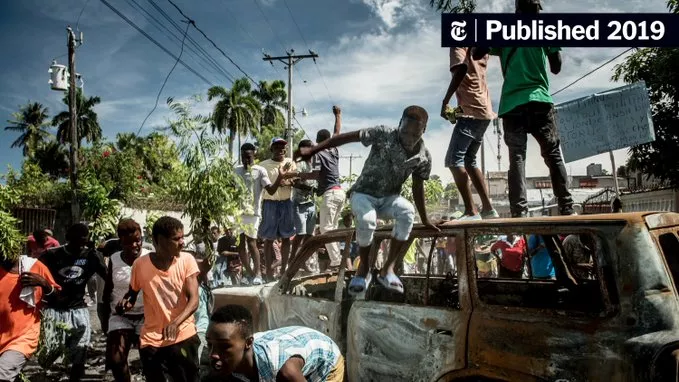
x: 560, y: 30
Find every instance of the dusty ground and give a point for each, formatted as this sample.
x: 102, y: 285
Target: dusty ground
x: 95, y: 361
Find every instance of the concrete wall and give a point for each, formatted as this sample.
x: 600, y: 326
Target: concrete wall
x: 661, y: 200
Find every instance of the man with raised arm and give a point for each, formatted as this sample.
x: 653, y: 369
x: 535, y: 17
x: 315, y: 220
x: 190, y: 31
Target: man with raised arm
x: 395, y: 155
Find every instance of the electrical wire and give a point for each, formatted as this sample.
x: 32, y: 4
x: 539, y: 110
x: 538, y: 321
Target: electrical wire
x: 309, y: 48
x: 132, y: 24
x: 192, y: 22
x: 77, y: 23
x: 177, y: 39
x: 193, y: 42
x: 590, y: 72
x: 269, y: 24
x: 166, y: 78
x: 300, y: 126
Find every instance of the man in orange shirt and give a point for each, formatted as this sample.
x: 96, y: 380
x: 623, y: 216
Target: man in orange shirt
x: 20, y: 311
x: 168, y: 279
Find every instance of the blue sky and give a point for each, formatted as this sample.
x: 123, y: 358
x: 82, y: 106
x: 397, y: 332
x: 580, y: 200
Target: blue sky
x: 376, y: 57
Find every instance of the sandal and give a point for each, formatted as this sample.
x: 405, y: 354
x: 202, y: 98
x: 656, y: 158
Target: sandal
x: 359, y: 284
x: 391, y: 282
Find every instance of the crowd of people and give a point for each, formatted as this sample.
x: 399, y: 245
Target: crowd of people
x: 159, y: 299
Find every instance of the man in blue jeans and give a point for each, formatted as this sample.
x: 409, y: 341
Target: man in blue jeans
x: 469, y: 84
x: 526, y: 107
x: 395, y: 155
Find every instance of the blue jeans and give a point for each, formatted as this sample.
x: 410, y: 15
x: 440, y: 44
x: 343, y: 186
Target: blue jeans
x: 465, y: 142
x: 367, y: 209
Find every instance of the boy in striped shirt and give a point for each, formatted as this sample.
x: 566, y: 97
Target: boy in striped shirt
x: 293, y: 353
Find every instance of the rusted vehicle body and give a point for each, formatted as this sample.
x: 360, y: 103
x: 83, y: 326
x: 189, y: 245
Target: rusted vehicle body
x: 615, y: 318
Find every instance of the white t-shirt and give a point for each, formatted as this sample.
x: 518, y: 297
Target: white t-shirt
x: 255, y: 179
x: 121, y: 274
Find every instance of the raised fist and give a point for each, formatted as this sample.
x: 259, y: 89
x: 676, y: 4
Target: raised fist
x: 336, y: 110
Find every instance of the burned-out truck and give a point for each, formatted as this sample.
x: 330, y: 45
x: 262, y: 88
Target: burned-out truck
x: 609, y: 311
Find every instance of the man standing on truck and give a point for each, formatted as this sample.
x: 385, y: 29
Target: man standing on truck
x: 468, y: 83
x: 291, y: 353
x: 526, y: 107
x: 395, y: 155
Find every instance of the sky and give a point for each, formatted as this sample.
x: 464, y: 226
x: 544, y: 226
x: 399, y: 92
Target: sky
x: 375, y: 58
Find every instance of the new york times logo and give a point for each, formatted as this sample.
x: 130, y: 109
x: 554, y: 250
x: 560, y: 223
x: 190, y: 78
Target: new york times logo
x: 457, y: 30
x: 564, y: 30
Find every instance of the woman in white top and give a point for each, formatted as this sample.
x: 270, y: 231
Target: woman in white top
x: 123, y: 329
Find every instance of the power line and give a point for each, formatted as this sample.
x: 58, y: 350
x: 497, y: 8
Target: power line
x: 132, y: 24
x: 212, y: 42
x: 309, y: 48
x: 77, y: 23
x: 163, y: 28
x: 300, y: 126
x: 205, y: 54
x: 166, y: 78
x: 269, y: 24
x: 590, y: 72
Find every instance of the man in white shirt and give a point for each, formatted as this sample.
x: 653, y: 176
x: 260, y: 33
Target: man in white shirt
x: 123, y: 330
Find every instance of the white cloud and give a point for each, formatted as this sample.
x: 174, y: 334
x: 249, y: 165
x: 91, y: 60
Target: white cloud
x: 376, y: 74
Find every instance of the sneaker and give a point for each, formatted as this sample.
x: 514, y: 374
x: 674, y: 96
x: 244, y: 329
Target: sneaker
x: 470, y: 217
x: 522, y: 214
x: 492, y: 214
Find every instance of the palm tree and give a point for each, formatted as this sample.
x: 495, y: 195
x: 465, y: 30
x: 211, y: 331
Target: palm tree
x: 273, y: 97
x: 52, y: 158
x: 236, y: 111
x: 88, y: 124
x: 30, y: 122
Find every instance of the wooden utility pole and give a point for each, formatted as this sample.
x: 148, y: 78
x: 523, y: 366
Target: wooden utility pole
x: 290, y: 60
x: 351, y: 162
x: 73, y: 128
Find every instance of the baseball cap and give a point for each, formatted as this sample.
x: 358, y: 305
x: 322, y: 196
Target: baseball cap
x: 278, y: 140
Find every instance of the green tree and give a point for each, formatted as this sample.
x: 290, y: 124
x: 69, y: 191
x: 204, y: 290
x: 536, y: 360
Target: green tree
x: 29, y: 121
x: 451, y: 192
x: 52, y: 158
x: 88, y: 127
x: 211, y: 192
x: 36, y: 189
x: 236, y: 110
x: 433, y: 190
x: 658, y: 68
x: 273, y: 97
x: 157, y: 154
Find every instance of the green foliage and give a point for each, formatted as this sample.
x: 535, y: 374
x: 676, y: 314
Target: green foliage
x: 119, y: 172
x: 433, y: 190
x: 88, y: 127
x: 211, y: 192
x: 451, y: 192
x: 11, y: 240
x: 51, y: 342
x: 658, y: 68
x: 35, y: 188
x: 52, y: 158
x: 98, y: 207
x: 30, y: 122
x: 237, y: 110
x: 273, y: 97
x: 148, y: 225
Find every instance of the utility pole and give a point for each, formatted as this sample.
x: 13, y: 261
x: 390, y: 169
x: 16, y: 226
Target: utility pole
x: 290, y: 60
x: 73, y: 112
x: 351, y: 163
x: 496, y: 124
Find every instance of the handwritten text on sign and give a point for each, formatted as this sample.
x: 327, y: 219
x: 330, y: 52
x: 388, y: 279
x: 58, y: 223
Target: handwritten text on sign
x: 603, y: 122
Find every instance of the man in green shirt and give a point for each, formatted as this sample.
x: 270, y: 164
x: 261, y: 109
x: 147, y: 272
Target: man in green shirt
x: 526, y: 107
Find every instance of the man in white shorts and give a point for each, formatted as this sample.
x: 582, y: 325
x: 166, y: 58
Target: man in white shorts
x: 256, y: 179
x: 123, y: 329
